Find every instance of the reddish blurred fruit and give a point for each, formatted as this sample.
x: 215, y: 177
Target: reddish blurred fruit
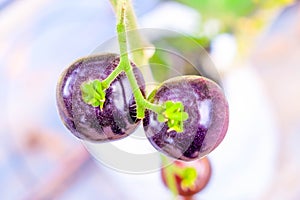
x: 203, y: 174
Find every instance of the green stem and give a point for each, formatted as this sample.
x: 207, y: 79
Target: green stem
x: 124, y: 61
x: 170, y: 175
x: 139, y: 98
x: 114, y: 74
x: 154, y: 107
x: 121, y: 30
x: 136, y: 42
x: 122, y: 38
x: 141, y: 102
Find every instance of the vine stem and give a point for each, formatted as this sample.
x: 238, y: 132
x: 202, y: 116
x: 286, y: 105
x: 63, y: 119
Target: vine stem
x: 141, y: 49
x: 124, y: 61
x: 124, y: 64
x: 170, y: 178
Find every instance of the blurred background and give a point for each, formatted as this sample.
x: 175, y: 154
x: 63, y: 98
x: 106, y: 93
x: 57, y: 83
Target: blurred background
x: 254, y: 45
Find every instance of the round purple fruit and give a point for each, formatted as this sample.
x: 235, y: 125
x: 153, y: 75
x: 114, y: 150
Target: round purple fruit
x: 115, y: 118
x: 207, y: 122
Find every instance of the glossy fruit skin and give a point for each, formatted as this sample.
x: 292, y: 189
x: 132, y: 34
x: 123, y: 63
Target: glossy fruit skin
x: 208, y: 111
x: 204, y: 171
x: 117, y: 119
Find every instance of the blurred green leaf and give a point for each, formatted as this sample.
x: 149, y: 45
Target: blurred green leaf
x: 221, y: 8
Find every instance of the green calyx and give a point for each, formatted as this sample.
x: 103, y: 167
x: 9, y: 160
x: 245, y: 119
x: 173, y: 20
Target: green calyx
x: 189, y: 176
x: 93, y: 93
x: 174, y: 115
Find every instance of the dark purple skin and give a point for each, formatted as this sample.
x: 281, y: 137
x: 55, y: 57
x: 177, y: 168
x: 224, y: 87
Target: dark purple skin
x: 118, y: 116
x: 206, y: 126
